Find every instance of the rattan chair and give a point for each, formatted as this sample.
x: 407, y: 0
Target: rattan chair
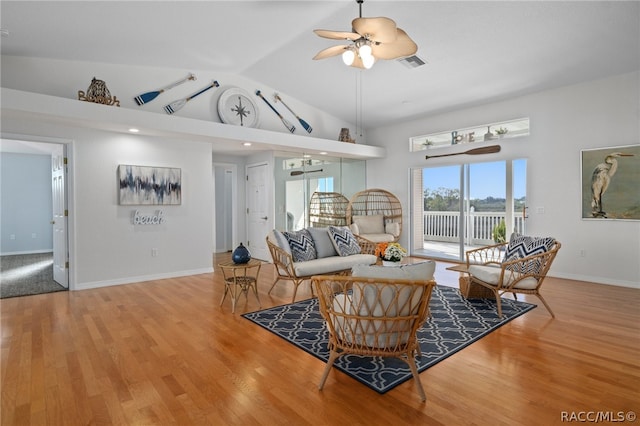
x: 328, y: 209
x: 520, y: 276
x: 377, y: 202
x: 373, y: 317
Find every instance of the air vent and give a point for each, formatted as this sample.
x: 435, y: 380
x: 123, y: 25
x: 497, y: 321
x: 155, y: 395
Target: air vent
x: 412, y: 61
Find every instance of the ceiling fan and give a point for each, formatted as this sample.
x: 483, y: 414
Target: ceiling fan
x: 372, y: 39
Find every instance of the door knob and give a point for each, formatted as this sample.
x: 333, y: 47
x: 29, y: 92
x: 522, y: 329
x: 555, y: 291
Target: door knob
x: 53, y: 222
x: 265, y: 218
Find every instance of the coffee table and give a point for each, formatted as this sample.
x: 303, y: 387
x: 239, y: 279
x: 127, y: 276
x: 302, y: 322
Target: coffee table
x: 468, y: 288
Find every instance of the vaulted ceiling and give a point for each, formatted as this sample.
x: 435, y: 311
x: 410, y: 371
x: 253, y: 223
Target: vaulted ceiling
x: 475, y: 51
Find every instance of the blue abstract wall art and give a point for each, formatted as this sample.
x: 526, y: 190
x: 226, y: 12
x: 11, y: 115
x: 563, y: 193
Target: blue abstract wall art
x: 144, y: 185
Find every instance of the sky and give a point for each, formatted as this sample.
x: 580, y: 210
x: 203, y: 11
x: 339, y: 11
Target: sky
x: 487, y: 179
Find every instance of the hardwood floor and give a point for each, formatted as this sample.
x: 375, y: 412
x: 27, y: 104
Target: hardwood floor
x: 165, y: 352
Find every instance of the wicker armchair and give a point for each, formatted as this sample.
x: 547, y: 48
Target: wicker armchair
x: 373, y: 317
x: 366, y: 246
x: 285, y: 269
x: 525, y: 275
x: 377, y: 202
x: 328, y: 209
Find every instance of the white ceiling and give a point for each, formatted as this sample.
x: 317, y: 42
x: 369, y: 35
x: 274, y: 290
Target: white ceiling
x: 476, y: 51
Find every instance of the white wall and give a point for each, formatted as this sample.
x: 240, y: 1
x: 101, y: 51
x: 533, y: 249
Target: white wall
x: 107, y: 251
x: 26, y: 203
x: 563, y: 122
x: 106, y: 248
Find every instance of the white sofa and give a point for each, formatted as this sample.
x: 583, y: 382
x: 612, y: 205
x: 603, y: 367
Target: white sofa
x: 314, y: 251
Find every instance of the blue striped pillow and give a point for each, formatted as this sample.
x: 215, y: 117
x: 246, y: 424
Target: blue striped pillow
x: 521, y: 246
x: 301, y: 243
x: 344, y: 241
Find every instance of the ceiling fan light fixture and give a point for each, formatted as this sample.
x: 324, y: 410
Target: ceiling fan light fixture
x: 372, y: 39
x: 348, y: 57
x: 368, y: 61
x: 364, y: 50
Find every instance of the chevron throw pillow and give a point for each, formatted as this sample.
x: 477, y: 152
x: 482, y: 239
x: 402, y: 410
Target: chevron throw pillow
x: 301, y: 243
x: 521, y: 246
x: 344, y: 241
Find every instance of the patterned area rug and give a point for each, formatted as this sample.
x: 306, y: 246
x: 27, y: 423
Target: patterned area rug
x: 455, y: 323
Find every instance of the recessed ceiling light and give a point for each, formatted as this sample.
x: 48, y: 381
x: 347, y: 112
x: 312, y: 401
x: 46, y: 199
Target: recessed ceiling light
x: 323, y: 153
x: 134, y: 130
x: 246, y: 144
x: 306, y: 156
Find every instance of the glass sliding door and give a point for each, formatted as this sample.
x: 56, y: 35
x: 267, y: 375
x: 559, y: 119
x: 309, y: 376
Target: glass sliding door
x: 456, y: 208
x: 520, y: 209
x: 485, y: 203
x: 441, y: 207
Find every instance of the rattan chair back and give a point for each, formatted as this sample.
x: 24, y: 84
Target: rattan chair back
x: 373, y: 317
x: 328, y: 209
x: 376, y: 202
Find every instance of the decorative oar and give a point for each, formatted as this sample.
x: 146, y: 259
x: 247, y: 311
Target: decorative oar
x: 475, y: 151
x: 304, y: 124
x: 149, y: 96
x: 300, y: 172
x: 288, y: 125
x: 176, y: 105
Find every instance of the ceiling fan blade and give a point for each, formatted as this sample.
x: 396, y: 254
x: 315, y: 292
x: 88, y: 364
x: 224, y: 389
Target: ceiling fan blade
x: 337, y: 35
x: 330, y: 51
x: 401, y: 47
x: 381, y: 30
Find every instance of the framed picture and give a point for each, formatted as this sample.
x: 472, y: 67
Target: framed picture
x: 611, y: 183
x: 143, y: 185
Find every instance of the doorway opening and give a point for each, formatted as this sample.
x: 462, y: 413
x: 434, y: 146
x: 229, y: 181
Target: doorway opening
x: 34, y: 244
x: 225, y: 208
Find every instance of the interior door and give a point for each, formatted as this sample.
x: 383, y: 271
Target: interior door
x: 59, y: 220
x: 259, y: 218
x: 225, y: 207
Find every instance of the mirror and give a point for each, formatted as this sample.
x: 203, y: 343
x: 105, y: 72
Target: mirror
x: 298, y: 176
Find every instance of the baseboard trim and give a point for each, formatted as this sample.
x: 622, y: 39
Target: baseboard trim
x: 597, y: 280
x: 17, y: 253
x: 139, y: 279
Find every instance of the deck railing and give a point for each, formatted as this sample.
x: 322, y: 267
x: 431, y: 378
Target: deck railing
x: 445, y: 226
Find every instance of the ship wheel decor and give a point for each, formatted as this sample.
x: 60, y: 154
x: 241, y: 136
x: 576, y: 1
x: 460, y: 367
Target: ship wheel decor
x: 98, y: 93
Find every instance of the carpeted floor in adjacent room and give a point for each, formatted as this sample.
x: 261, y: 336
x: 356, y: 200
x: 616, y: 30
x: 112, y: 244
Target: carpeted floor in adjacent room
x: 27, y: 274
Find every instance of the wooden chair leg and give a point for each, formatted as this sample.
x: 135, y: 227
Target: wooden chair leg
x: 296, y: 283
x: 545, y: 304
x: 274, y: 284
x: 332, y: 357
x: 416, y: 377
x: 498, y: 303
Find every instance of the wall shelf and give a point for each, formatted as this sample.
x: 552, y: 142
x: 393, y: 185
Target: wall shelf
x: 228, y: 138
x: 481, y: 133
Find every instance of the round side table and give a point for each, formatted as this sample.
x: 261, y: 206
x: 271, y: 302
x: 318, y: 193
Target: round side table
x: 239, y: 278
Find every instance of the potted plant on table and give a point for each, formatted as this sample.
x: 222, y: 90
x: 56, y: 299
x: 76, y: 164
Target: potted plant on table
x: 390, y: 253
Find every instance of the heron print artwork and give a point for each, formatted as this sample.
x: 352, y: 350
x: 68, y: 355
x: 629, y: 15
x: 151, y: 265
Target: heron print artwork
x: 140, y: 185
x: 611, y: 183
